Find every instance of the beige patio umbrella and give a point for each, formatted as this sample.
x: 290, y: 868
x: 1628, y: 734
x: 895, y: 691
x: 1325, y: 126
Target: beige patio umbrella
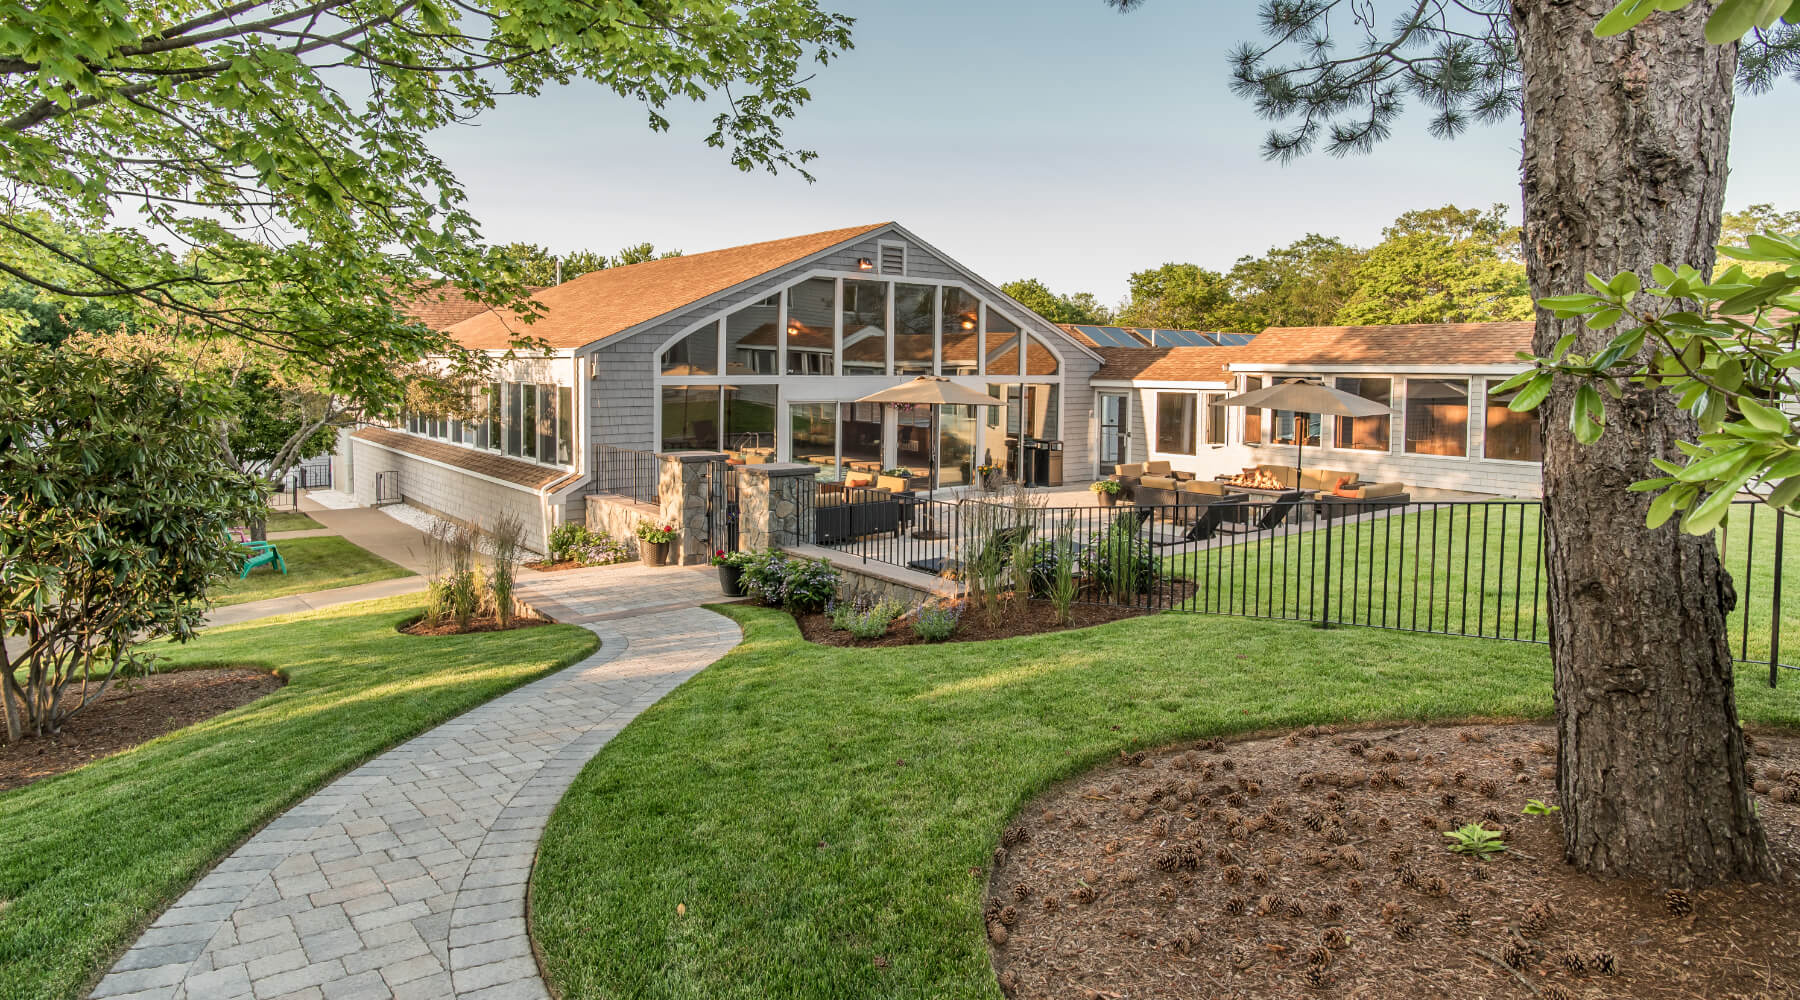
x: 1303, y: 397
x: 933, y: 391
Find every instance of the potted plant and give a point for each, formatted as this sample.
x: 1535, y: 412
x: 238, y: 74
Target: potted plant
x: 731, y: 572
x: 1106, y: 491
x: 653, y: 542
x: 991, y: 476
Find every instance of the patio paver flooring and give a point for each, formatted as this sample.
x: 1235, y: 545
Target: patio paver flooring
x: 406, y: 877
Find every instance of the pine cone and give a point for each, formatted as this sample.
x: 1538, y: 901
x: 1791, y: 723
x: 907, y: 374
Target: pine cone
x: 1556, y: 991
x: 1294, y: 910
x: 1489, y: 788
x: 1269, y: 904
x: 1407, y: 875
x: 1516, y: 954
x: 1463, y: 921
x: 1448, y: 799
x: 1166, y: 893
x: 1430, y: 821
x: 1159, y: 827
x: 1009, y: 916
x: 1259, y: 877
x: 1573, y: 961
x: 1016, y: 834
x: 1083, y: 894
x: 1405, y: 928
x: 1356, y: 748
x: 997, y: 934
x: 1479, y: 873
x: 1319, y: 957
x: 1460, y: 778
x: 1383, y: 824
x: 1517, y: 764
x: 1231, y: 874
x: 1317, y: 978
x: 1313, y: 821
x: 1678, y: 904
x: 1536, y: 919
x: 1351, y: 858
x: 1168, y: 861
x: 1332, y: 910
x: 1021, y: 890
x: 999, y: 857
x: 1335, y: 938
x: 1052, y: 904
x: 1240, y: 957
x: 1543, y: 749
x: 1223, y: 856
x: 1604, y: 962
x: 1435, y: 886
x: 1354, y: 886
x: 1235, y: 906
x: 1396, y: 855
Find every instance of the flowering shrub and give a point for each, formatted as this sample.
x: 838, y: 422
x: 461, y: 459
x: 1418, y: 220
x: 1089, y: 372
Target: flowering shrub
x: 937, y: 621
x: 798, y: 585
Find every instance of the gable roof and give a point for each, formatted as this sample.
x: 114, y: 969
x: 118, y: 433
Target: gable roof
x: 603, y: 303
x: 442, y: 308
x: 1425, y: 344
x: 1165, y: 364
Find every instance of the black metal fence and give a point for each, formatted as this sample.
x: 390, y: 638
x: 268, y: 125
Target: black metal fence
x: 626, y: 472
x: 286, y: 495
x: 719, y: 486
x: 1451, y: 568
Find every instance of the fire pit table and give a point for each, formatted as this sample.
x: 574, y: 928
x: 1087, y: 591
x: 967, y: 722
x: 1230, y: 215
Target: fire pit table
x: 1302, y: 511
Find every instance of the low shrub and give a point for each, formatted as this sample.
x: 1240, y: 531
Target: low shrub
x: 936, y: 621
x: 866, y: 620
x: 574, y: 542
x: 795, y: 584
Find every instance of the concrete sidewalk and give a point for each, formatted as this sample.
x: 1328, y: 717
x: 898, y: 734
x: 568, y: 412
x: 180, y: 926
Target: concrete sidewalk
x: 292, y: 603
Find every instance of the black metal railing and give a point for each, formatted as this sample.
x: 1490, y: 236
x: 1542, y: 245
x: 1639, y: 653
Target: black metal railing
x: 626, y: 472
x: 1451, y: 568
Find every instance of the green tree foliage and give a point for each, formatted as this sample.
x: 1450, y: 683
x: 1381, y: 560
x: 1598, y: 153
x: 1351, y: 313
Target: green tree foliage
x: 287, y: 144
x: 1176, y: 297
x: 1081, y: 307
x: 1302, y: 284
x: 117, y: 500
x: 45, y: 320
x: 1425, y: 278
x: 536, y: 266
x: 1729, y: 349
x: 1736, y: 228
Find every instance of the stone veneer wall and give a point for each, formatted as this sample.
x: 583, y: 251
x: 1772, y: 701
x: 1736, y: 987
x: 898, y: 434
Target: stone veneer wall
x: 619, y: 518
x: 682, y: 486
x: 774, y: 508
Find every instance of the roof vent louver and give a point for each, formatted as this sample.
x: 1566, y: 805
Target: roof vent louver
x: 893, y: 258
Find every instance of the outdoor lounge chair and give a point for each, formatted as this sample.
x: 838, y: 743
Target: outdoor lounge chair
x: 261, y: 554
x: 1278, y: 511
x: 1208, y: 517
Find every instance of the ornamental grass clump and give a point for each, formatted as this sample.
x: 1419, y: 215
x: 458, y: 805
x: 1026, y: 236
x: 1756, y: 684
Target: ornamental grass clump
x: 506, y: 544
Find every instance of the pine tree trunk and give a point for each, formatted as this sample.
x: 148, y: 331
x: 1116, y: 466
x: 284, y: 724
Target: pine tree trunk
x: 1624, y: 166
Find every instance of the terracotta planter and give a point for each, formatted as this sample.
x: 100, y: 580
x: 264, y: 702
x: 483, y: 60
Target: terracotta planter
x: 1107, y: 499
x: 731, y: 581
x: 654, y: 553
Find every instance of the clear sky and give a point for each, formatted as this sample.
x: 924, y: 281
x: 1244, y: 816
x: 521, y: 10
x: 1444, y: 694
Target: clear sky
x: 1056, y: 139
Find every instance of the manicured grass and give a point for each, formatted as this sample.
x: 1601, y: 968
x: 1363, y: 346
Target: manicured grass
x: 92, y: 855
x: 813, y: 808
x: 1458, y: 569
x: 290, y: 520
x: 322, y: 562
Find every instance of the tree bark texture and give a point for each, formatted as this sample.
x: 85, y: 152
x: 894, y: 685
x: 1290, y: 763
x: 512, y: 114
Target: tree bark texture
x: 1624, y: 166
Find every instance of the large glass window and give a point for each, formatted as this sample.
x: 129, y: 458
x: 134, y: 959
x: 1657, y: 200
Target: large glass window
x: 1215, y: 418
x: 494, y: 438
x: 865, y: 327
x: 1515, y: 437
x: 565, y: 425
x: 1252, y: 418
x: 546, y: 425
x: 1002, y: 345
x: 959, y: 330
x: 510, y: 417
x: 528, y: 422
x: 750, y: 416
x: 750, y: 338
x: 812, y: 305
x: 912, y: 432
x: 1365, y: 433
x: 956, y: 444
x: 690, y: 418
x: 914, y: 308
x: 695, y: 354
x: 1437, y: 416
x: 1175, y: 413
x: 862, y: 436
x: 812, y: 433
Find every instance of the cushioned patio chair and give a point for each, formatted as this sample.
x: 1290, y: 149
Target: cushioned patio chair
x: 1278, y: 511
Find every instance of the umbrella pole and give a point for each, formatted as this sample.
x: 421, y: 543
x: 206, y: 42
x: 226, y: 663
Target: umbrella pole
x: 1300, y: 423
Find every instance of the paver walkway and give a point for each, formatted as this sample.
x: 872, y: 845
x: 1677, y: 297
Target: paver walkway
x: 406, y: 877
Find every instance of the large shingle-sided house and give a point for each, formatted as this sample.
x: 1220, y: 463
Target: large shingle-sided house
x: 761, y: 348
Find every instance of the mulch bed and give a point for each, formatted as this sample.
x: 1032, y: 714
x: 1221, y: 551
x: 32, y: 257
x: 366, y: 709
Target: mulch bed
x: 1298, y: 867
x: 481, y: 623
x: 132, y: 712
x: 1039, y: 616
x: 546, y: 566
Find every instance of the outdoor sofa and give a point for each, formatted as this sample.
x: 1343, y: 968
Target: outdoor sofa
x: 842, y: 514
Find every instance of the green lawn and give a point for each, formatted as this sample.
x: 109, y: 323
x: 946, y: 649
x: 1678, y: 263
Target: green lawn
x: 1381, y: 574
x: 91, y: 856
x: 290, y: 520
x: 321, y: 562
x: 813, y: 808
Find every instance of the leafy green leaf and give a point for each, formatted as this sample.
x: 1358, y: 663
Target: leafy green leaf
x: 1763, y: 417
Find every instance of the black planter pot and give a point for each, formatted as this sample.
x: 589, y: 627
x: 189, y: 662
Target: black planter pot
x: 654, y: 553
x: 731, y: 581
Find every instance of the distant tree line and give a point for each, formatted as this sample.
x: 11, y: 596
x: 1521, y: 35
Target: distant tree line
x: 1439, y: 265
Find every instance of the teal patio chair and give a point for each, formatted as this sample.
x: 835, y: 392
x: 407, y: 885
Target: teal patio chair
x: 260, y: 554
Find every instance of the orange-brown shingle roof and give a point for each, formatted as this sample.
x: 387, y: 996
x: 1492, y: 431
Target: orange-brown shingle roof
x: 442, y: 308
x: 512, y: 470
x: 1165, y: 364
x: 1424, y: 344
x: 602, y: 303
